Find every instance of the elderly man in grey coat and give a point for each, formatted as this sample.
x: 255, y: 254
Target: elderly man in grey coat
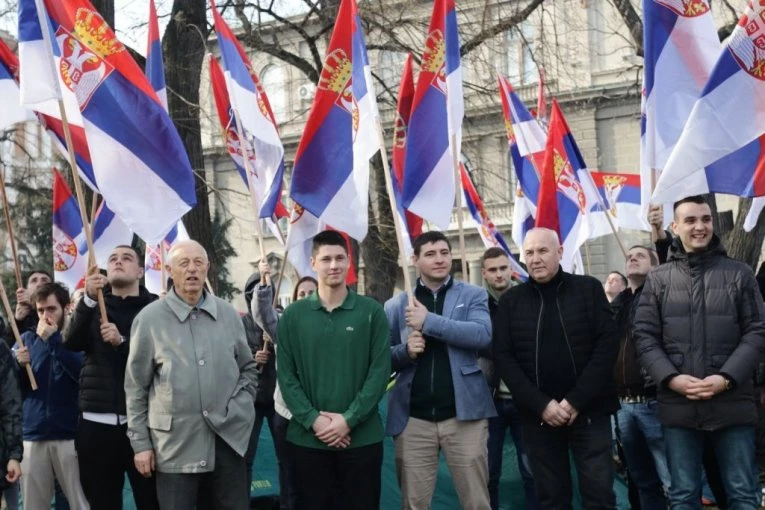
x: 189, y: 388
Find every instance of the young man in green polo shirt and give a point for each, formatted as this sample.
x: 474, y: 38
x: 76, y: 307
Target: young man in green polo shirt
x: 334, y: 364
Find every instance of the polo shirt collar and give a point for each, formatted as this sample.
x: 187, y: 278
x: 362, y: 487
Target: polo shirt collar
x: 182, y: 309
x: 348, y: 303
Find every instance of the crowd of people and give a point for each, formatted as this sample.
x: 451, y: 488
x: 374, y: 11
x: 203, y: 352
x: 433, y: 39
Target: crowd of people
x: 172, y: 392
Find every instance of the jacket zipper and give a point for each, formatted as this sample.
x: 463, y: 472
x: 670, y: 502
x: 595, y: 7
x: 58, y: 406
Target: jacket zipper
x: 563, y: 327
x: 539, y: 326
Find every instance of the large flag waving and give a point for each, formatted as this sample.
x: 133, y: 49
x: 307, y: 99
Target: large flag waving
x: 680, y: 46
x: 620, y: 193
x: 108, y: 231
x: 563, y: 203
x: 258, y: 123
x: 134, y: 147
x: 331, y: 174
x: 155, y: 67
x: 490, y: 236
x: 409, y: 220
x: 152, y: 275
x: 436, y: 121
x: 70, y: 253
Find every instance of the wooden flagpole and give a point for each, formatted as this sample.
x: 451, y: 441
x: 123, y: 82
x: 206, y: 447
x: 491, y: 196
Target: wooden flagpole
x: 587, y: 257
x: 9, y: 225
x: 70, y: 150
x: 396, y: 220
x: 17, y: 336
x: 458, y: 205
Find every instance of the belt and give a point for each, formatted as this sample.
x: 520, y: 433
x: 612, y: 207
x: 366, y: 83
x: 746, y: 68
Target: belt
x: 636, y: 399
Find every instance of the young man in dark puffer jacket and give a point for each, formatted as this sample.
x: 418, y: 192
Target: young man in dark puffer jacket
x: 103, y: 448
x: 700, y: 332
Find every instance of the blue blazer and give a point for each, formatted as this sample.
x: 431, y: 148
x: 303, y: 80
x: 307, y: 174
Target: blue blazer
x: 465, y: 327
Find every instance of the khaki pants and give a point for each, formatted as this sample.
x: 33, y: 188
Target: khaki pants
x: 464, y: 444
x: 43, y: 462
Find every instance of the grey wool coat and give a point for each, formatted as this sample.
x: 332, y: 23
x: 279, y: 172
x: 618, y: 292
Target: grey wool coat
x: 190, y: 376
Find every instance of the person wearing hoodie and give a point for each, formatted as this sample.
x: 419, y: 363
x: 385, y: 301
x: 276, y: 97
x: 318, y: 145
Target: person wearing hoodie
x: 103, y: 449
x: 263, y: 354
x: 700, y: 332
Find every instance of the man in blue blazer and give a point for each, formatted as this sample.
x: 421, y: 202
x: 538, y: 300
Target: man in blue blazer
x: 441, y: 400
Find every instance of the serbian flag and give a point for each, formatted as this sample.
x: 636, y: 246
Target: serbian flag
x: 436, y: 118
x: 563, y: 204
x: 237, y: 149
x: 620, y: 192
x: 330, y: 178
x: 134, y: 147
x: 155, y: 68
x: 12, y: 112
x: 257, y: 120
x: 408, y: 219
x: 526, y: 139
x: 490, y: 236
x: 108, y: 231
x: 152, y: 266
x: 680, y: 45
x: 70, y: 253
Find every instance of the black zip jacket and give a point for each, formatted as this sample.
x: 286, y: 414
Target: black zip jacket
x: 631, y: 378
x: 589, y: 334
x: 102, y: 378
x: 702, y: 314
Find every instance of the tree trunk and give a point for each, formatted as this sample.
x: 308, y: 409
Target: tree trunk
x: 632, y: 20
x: 379, y: 249
x: 184, y: 50
x: 746, y: 246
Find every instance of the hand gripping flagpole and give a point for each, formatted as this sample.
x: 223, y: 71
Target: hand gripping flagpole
x: 396, y: 219
x: 458, y: 205
x: 11, y: 237
x: 70, y: 147
x: 17, y: 336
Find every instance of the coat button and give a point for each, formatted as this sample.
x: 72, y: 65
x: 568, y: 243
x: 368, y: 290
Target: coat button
x: 204, y: 413
x: 203, y: 463
x: 201, y: 362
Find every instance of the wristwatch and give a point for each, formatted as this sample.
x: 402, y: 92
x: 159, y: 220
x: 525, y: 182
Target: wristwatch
x: 728, y: 383
x: 122, y: 339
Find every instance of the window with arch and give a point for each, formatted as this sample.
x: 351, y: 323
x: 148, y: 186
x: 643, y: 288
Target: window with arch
x: 275, y: 82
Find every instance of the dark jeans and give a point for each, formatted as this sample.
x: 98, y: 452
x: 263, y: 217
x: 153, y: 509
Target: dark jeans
x: 346, y: 479
x: 643, y: 445
x: 507, y: 419
x: 104, y: 455
x: 221, y: 489
x: 589, y: 440
x: 286, y: 487
x: 265, y: 411
x: 734, y: 449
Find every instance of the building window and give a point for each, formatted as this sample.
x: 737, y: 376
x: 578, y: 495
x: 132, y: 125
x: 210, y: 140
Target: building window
x: 275, y: 82
x: 519, y: 51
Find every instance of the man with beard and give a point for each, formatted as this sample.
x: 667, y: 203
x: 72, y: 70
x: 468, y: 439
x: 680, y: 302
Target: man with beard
x: 50, y: 413
x: 25, y: 314
x: 103, y: 450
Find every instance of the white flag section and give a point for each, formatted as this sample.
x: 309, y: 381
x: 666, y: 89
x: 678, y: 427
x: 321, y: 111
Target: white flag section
x: 152, y: 259
x: 303, y: 226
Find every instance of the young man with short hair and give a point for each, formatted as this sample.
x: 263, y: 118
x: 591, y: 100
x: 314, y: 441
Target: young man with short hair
x: 50, y: 412
x: 26, y: 316
x: 700, y: 332
x: 334, y: 365
x: 441, y: 400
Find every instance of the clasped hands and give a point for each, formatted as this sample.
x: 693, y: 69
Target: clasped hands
x: 332, y: 430
x: 557, y: 414
x: 694, y: 388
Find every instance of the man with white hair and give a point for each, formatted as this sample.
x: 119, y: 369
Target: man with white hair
x: 189, y: 387
x: 555, y: 345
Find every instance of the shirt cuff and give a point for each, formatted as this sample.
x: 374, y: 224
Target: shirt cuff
x: 89, y: 302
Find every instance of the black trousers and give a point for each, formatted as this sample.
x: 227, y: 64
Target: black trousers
x: 221, y: 489
x: 589, y: 441
x: 104, y: 455
x: 343, y: 479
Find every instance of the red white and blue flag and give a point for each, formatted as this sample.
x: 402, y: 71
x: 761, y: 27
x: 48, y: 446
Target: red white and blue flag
x: 258, y: 124
x: 563, y: 204
x: 134, y: 147
x: 680, y: 46
x: 330, y: 178
x: 155, y: 68
x: 436, y: 121
x: 108, y: 231
x: 12, y: 112
x: 491, y: 237
x: 236, y: 149
x: 722, y: 146
x: 620, y: 193
x: 408, y: 219
x: 70, y: 252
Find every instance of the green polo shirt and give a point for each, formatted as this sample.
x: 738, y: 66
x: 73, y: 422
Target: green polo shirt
x: 336, y: 361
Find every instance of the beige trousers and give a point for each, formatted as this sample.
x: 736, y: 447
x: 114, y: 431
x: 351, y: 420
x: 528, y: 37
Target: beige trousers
x: 464, y: 444
x: 43, y: 462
